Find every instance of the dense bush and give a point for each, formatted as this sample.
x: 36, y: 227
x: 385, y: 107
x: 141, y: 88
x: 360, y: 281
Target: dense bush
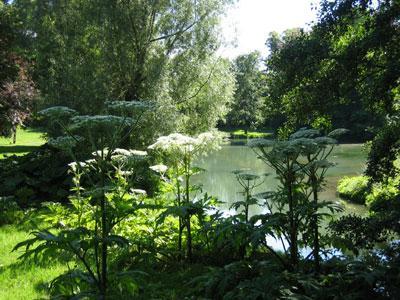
x: 36, y: 177
x: 9, y: 211
x: 339, y: 279
x: 353, y: 189
x: 42, y: 176
x: 384, y: 191
x: 381, y: 225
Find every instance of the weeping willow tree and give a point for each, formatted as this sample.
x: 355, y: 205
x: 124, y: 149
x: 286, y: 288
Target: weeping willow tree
x: 88, y: 52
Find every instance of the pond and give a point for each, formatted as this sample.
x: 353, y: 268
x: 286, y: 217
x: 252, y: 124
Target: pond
x: 219, y: 181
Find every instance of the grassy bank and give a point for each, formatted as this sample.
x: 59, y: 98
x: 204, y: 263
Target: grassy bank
x: 27, y: 140
x: 241, y: 134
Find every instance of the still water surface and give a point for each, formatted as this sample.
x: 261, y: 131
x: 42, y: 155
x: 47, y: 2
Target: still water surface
x: 218, y: 180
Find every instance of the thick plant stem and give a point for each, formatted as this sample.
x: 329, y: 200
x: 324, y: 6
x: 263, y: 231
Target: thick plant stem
x: 188, y: 228
x: 292, y: 224
x: 314, y: 224
x: 246, y: 207
x: 178, y: 188
x: 103, y: 290
x: 189, y: 240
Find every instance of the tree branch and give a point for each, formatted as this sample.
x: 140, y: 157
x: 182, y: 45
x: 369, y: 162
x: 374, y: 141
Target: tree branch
x: 178, y: 32
x: 201, y: 86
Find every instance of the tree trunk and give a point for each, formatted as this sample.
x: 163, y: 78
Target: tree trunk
x: 14, y: 135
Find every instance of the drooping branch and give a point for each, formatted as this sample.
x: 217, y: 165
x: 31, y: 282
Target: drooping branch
x: 202, y: 85
x: 178, y: 32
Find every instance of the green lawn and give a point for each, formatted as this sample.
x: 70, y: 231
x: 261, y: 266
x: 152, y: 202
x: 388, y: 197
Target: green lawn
x: 27, y: 140
x: 20, y: 280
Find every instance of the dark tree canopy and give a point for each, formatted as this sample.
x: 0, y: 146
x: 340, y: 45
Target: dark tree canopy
x: 346, y: 68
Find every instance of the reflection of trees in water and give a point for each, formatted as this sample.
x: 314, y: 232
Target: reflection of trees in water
x: 219, y: 181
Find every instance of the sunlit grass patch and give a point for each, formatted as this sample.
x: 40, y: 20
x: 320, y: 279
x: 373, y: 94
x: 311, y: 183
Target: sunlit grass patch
x: 240, y: 133
x: 22, y: 280
x: 27, y: 140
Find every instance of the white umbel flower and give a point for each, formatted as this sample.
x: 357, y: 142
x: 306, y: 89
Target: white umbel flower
x: 159, y: 168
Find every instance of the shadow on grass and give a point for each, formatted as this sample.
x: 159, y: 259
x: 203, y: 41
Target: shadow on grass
x: 19, y: 268
x: 10, y: 150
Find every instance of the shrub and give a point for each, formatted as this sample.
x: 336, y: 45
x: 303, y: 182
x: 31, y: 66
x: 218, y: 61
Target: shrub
x: 354, y: 189
x: 9, y: 211
x: 36, y: 177
x: 383, y: 192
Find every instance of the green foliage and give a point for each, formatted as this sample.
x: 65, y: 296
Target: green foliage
x: 344, y: 71
x: 352, y: 232
x: 56, y: 119
x: 294, y: 209
x: 340, y: 279
x: 178, y: 152
x: 240, y: 133
x: 323, y: 124
x: 9, y: 31
x: 354, y: 189
x: 383, y: 152
x: 161, y: 51
x: 18, y: 92
x: 36, y: 177
x: 380, y: 226
x: 248, y: 182
x: 102, y: 199
x: 383, y: 192
x: 10, y: 212
x: 346, y: 68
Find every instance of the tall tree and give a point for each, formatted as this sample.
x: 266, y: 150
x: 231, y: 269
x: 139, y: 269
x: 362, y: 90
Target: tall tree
x: 246, y: 109
x: 345, y: 68
x: 90, y: 51
x: 17, y: 90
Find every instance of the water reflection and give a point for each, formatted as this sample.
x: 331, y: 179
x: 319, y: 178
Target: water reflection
x: 219, y: 181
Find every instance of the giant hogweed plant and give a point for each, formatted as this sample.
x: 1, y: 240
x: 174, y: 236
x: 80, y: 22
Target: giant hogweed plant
x: 248, y: 182
x: 235, y: 231
x: 178, y: 153
x: 89, y: 233
x: 295, y: 210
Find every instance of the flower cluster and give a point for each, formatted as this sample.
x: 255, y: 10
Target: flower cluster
x: 119, y: 156
x: 127, y: 156
x: 127, y: 106
x: 179, y: 143
x: 99, y: 123
x: 260, y: 143
x: 65, y: 142
x: 159, y: 168
x: 57, y: 112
